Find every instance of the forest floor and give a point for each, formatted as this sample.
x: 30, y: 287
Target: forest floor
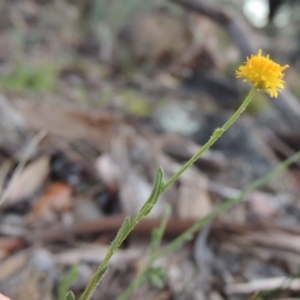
x: 91, y: 105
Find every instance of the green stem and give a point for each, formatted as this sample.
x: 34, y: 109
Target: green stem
x: 216, y: 135
x: 137, y: 282
x: 224, y: 207
x: 188, y: 234
x: 122, y: 234
x: 103, y: 267
x: 158, y: 189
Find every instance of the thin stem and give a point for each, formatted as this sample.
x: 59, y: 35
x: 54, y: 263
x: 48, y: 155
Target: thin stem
x: 216, y: 135
x: 180, y: 240
x: 137, y: 282
x: 123, y: 232
x: 158, y: 189
x: 224, y: 207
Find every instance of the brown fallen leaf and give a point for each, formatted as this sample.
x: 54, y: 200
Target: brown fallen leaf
x: 97, y: 126
x: 56, y: 199
x: 275, y: 239
x: 8, y: 244
x: 30, y: 180
x: 264, y: 284
x: 13, y: 264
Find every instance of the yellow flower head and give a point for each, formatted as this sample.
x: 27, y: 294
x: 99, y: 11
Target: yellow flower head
x: 263, y: 73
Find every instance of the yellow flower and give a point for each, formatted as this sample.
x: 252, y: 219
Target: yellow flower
x: 263, y: 73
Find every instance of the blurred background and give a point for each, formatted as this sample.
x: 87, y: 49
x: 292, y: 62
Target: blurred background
x: 95, y: 95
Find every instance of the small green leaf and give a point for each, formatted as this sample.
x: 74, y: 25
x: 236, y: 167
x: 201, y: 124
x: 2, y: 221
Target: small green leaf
x: 66, y: 282
x: 122, y: 233
x: 156, y: 191
x: 157, y: 277
x: 70, y: 296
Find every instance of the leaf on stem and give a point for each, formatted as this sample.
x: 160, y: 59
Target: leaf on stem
x: 157, y: 189
x: 67, y: 281
x: 121, y: 235
x: 70, y: 296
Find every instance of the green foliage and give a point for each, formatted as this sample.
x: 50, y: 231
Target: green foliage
x: 127, y: 225
x: 30, y: 78
x: 65, y: 284
x: 157, y: 277
x: 157, y: 188
x: 122, y: 234
x: 96, y: 279
x: 70, y: 296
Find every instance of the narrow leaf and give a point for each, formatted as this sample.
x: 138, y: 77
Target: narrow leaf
x: 122, y: 233
x: 156, y: 191
x: 70, y: 296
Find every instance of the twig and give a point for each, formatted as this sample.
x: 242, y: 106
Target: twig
x: 264, y: 285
